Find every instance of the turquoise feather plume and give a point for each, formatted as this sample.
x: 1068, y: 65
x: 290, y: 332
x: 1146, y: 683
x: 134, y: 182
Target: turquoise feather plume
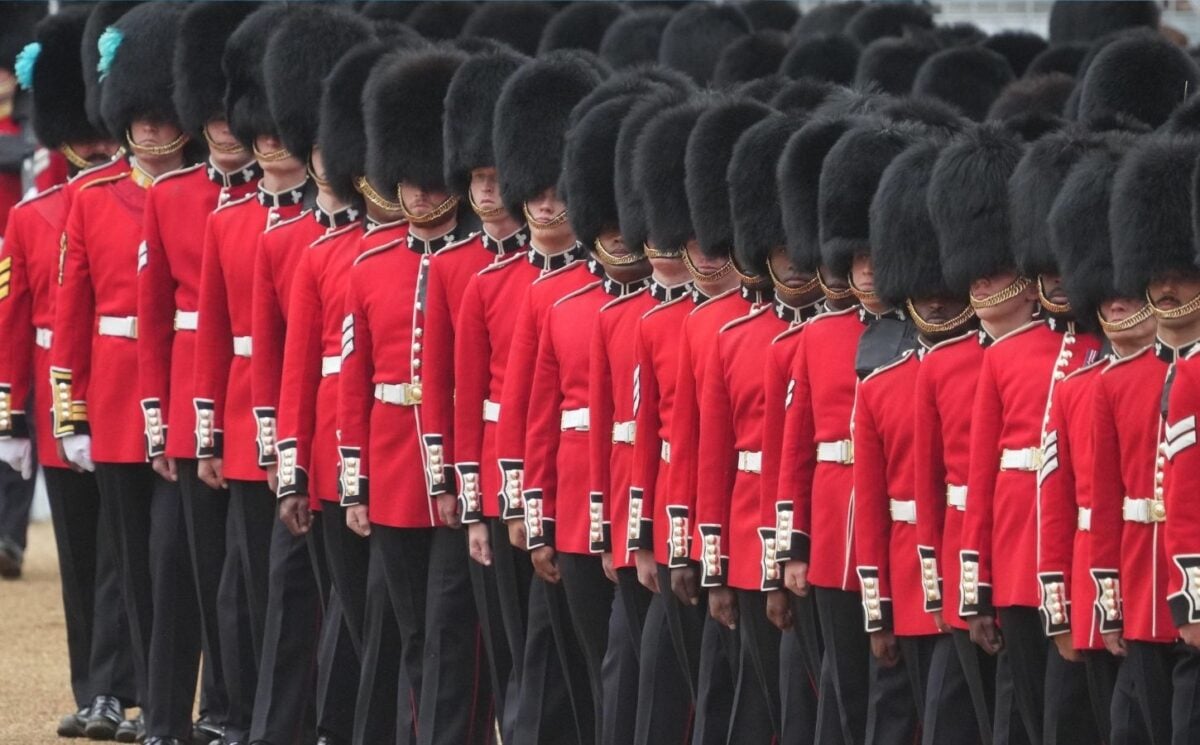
x: 109, y: 42
x: 26, y: 59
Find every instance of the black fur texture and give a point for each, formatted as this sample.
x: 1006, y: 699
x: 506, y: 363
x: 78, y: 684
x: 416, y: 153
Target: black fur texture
x: 695, y: 36
x: 1086, y: 22
x: 342, y: 134
x: 1142, y: 76
x: 633, y: 38
x: 1019, y: 48
x: 970, y: 78
x: 59, y: 115
x: 470, y: 103
x: 103, y: 15
x: 199, y: 79
x: 905, y: 259
x: 138, y: 85
x: 631, y: 202
x: 832, y: 57
x: 754, y: 192
x: 830, y: 18
x: 580, y: 25
x: 802, y: 96
x: 779, y: 15
x: 439, y: 20
x: 753, y: 56
x: 890, y: 64
x: 518, y: 24
x: 246, y: 106
x: 1043, y: 94
x: 588, y: 183
x: 659, y: 171
x: 877, y: 20
x: 1065, y: 58
x: 798, y: 176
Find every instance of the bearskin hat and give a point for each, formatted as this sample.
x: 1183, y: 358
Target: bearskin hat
x: 439, y: 20
x: 1079, y: 230
x: 1071, y: 20
x: 938, y: 118
x: 751, y: 57
x: 695, y: 35
x: 342, y: 134
x: 798, y: 176
x: 403, y: 106
x: 904, y: 247
x: 877, y: 20
x: 802, y: 96
x: 832, y: 57
x: 1064, y: 58
x: 1185, y: 119
x: 199, y: 79
x: 136, y: 84
x: 849, y: 177
x: 518, y: 24
x: 633, y: 38
x: 660, y: 175
x: 1151, y: 212
x: 970, y: 78
x: 382, y: 10
x: 706, y: 162
x: 1019, y: 48
x: 760, y: 89
x: 299, y: 55
x: 1043, y: 94
x: 580, y: 25
x: 56, y: 78
x: 830, y: 18
x: 531, y: 121
x: 631, y: 203
x: 103, y: 15
x: 246, y: 105
x: 470, y: 102
x: 950, y: 35
x: 890, y: 64
x: 754, y: 192
x: 968, y: 202
x: 779, y: 15
x: 1143, y: 76
x: 637, y: 81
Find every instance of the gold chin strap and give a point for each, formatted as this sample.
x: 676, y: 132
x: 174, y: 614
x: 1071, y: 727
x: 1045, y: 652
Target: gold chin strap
x: 152, y: 151
x: 831, y: 293
x: 364, y: 187
x: 701, y: 276
x: 220, y: 147
x: 1111, y: 327
x: 931, y: 329
x: 74, y: 158
x: 553, y: 222
x: 747, y: 279
x: 1008, y: 293
x: 1049, y: 304
x: 272, y: 157
x: 659, y: 253
x: 783, y: 290
x: 1186, y: 309
x: 610, y: 259
x: 433, y: 216
x: 864, y: 296
x: 484, y: 214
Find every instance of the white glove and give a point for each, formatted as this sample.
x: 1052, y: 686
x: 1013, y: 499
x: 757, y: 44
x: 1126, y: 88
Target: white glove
x: 79, y: 451
x: 17, y: 452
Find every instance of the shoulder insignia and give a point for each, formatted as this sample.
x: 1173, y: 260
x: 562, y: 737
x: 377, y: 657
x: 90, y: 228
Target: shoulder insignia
x: 290, y: 221
x: 576, y: 293
x: 905, y: 357
x: 561, y: 270
x: 104, y: 180
x: 754, y: 313
x: 35, y: 197
x: 501, y: 263
x: 624, y: 299
x: 335, y: 234
x: 235, y: 202
x: 178, y: 172
x: 1193, y: 353
x: 791, y: 331
x: 1118, y: 361
x: 377, y: 250
x: 385, y: 226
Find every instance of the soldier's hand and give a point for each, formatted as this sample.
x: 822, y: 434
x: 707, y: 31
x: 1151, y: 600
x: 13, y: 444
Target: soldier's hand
x: 1114, y: 642
x: 686, y: 585
x: 939, y: 620
x: 479, y: 543
x: 884, y: 648
x: 1190, y: 633
x: 647, y: 569
x: 779, y: 610
x: 295, y: 514
x: 795, y: 577
x: 516, y: 534
x: 610, y: 571
x: 545, y: 565
x: 1065, y: 649
x: 722, y: 606
x: 165, y: 467
x: 985, y: 634
x: 448, y: 510
x: 210, y: 472
x: 357, y: 520
x: 273, y: 479
x: 62, y: 455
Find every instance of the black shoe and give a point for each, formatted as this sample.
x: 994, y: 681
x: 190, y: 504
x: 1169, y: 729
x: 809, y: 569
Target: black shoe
x: 11, y: 559
x: 327, y: 740
x: 206, y: 732
x: 131, y: 730
x: 73, y: 725
x: 104, y: 717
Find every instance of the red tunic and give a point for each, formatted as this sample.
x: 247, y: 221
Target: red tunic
x: 177, y: 209
x: 1128, y: 548
x: 1010, y: 456
x: 732, y: 546
x: 885, y: 508
x: 1064, y: 567
x: 1183, y: 480
x: 226, y: 425
x: 774, y: 511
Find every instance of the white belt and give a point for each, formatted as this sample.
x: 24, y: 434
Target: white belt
x: 841, y: 451
x: 186, y: 320
x: 1143, y: 510
x: 398, y: 394
x: 42, y: 337
x: 491, y: 411
x: 241, y: 346
x: 956, y: 496
x: 665, y: 452
x: 1083, y: 520
x: 576, y: 419
x: 903, y: 511
x: 750, y: 461
x: 624, y: 432
x: 331, y: 365
x: 123, y: 326
x: 1025, y: 459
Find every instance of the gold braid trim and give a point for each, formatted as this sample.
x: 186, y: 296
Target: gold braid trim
x: 831, y: 293
x: 433, y: 216
x: 218, y: 147
x: 312, y: 173
x: 930, y: 329
x: 170, y: 148
x: 553, y: 222
x: 484, y: 214
x: 864, y: 296
x: 785, y: 291
x: 661, y: 253
x: 272, y: 157
x: 610, y: 259
x: 74, y: 158
x: 1186, y: 309
x: 701, y: 276
x: 364, y: 187
x: 1049, y: 304
x: 1008, y: 293
x: 1112, y: 327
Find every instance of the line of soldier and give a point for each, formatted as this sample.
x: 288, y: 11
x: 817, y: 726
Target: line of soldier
x: 458, y: 391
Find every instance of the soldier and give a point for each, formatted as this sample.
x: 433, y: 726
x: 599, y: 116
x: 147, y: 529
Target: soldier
x: 97, y: 646
x: 1132, y: 550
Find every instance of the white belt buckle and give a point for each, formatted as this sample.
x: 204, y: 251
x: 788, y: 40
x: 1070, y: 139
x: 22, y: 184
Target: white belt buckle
x: 1144, y: 511
x: 331, y: 365
x: 841, y: 451
x: 122, y: 326
x: 576, y: 419
x: 1025, y: 459
x: 187, y: 320
x: 1083, y: 520
x: 491, y: 411
x: 903, y: 511
x: 241, y: 346
x: 665, y: 452
x: 750, y: 461
x: 43, y: 337
x: 956, y: 496
x: 624, y: 432
x: 398, y: 394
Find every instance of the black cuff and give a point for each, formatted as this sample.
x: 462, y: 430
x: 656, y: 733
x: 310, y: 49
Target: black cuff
x: 441, y: 475
x: 512, y: 501
x: 639, y: 533
x: 714, y: 564
x: 1185, y: 605
x: 877, y: 610
x: 1107, y: 608
x: 770, y: 570
x: 293, y: 480
x: 931, y: 583
x: 208, y: 437
x: 599, y: 529
x: 679, y: 540
x: 539, y: 531
x: 801, y: 547
x: 470, y: 494
x: 353, y: 487
x: 1055, y: 608
x: 268, y: 449
x: 155, y: 430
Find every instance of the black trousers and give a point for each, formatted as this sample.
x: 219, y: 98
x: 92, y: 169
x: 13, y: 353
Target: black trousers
x: 1114, y: 702
x: 98, y: 647
x: 1166, y: 681
x: 797, y: 689
x: 1068, y: 719
x: 756, y: 698
x: 16, y: 497
x: 338, y: 673
x: 1028, y: 651
x: 845, y: 668
x: 389, y: 690
x: 716, y: 686
x: 949, y: 716
x: 619, y: 671
x: 488, y: 610
x: 897, y: 693
x: 347, y: 555
x: 588, y: 597
x: 664, y: 711
x: 456, y: 687
x: 513, y: 574
x: 555, y: 705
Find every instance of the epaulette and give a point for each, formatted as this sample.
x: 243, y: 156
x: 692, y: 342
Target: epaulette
x: 576, y: 293
x: 456, y: 244
x: 34, y: 197
x: 105, y: 180
x: 792, y: 330
x: 339, y: 232
x: 907, y: 355
x: 668, y: 304
x: 708, y: 303
x: 1018, y: 331
x: 234, y: 202
x: 831, y: 314
x: 501, y: 263
x: 623, y: 299
x: 754, y: 313
x: 951, y: 342
x: 1118, y: 361
x: 177, y: 172
x: 560, y: 270
x: 377, y: 250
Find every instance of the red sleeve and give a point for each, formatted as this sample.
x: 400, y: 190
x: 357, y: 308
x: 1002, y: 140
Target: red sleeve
x: 356, y: 394
x: 16, y: 329
x: 798, y: 461
x: 647, y: 447
x: 1059, y: 515
x: 74, y: 318
x: 514, y: 408
x: 775, y: 385
x: 214, y: 347
x: 872, y: 516
x: 541, y: 443
x: 301, y: 378
x: 1108, y: 496
x: 1183, y: 484
x: 472, y: 375
x: 156, y: 327
x: 600, y: 427
x: 929, y: 469
x: 976, y: 554
x: 268, y: 328
x: 684, y: 438
x: 716, y: 471
x: 437, y: 401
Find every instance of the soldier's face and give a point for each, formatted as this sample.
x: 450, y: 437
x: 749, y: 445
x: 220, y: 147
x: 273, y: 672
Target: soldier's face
x: 1052, y: 287
x: 94, y: 152
x: 861, y: 272
x: 1173, y: 290
x: 1118, y: 309
x: 614, y: 243
x: 227, y: 153
x: 984, y: 287
x: 421, y: 200
x: 153, y: 134
x: 831, y: 280
x: 785, y: 271
x: 485, y: 188
x: 937, y: 310
x: 546, y: 206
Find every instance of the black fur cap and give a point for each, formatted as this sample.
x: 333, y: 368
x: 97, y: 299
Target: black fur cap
x: 518, y: 24
x: 905, y: 259
x: 138, y: 84
x: 660, y: 174
x: 695, y: 36
x: 1143, y: 76
x: 754, y: 191
x: 970, y: 78
x: 246, y: 106
x: 470, y: 103
x: 832, y: 57
x: 59, y: 115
